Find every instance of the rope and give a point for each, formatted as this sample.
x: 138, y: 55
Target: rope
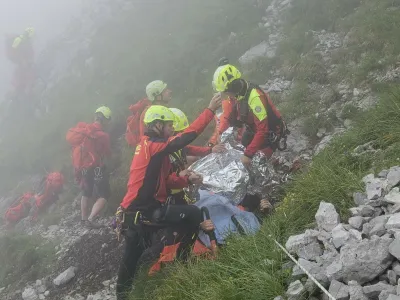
x: 303, y: 269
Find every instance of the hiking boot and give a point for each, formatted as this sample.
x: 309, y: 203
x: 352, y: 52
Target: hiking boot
x: 91, y: 225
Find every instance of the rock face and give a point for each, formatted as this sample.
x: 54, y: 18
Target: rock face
x: 65, y: 276
x: 327, y: 218
x: 261, y: 50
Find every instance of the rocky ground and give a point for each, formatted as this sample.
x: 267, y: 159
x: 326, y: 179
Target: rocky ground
x: 357, y: 259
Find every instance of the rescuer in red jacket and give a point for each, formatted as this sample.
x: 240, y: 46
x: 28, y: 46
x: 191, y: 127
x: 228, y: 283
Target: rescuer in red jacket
x: 143, y: 210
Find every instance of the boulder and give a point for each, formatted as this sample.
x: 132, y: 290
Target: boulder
x: 356, y: 222
x: 383, y: 173
x: 65, y: 276
x: 392, y: 277
x: 393, y: 197
x: 29, y: 294
x: 394, y: 248
x: 373, y: 291
x: 304, y: 245
x: 362, y: 261
x: 356, y: 291
x: 393, y: 176
x: 315, y: 269
x: 295, y: 290
x: 393, y: 222
x: 384, y: 295
x: 396, y: 268
x: 377, y: 225
x: 360, y: 198
x: 327, y: 218
x: 339, y: 290
x: 375, y: 188
x: 261, y: 50
x: 339, y: 236
x: 393, y: 297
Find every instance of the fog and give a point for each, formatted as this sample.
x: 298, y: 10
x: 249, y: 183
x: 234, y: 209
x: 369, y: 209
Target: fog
x: 48, y: 17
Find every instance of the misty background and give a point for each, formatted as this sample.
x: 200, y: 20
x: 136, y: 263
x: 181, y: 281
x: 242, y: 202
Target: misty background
x: 48, y: 17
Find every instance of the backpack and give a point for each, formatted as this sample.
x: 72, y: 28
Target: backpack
x: 132, y: 135
x: 82, y: 139
x: 19, y: 208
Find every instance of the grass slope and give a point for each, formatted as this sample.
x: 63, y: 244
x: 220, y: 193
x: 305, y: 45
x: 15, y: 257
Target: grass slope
x: 250, y: 267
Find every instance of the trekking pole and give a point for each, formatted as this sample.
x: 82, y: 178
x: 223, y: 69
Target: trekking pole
x: 211, y: 234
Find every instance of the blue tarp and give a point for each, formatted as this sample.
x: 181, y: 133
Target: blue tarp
x: 221, y: 212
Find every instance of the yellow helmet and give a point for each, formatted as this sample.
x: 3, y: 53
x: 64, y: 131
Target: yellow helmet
x: 158, y: 112
x: 181, y: 121
x: 223, y: 76
x: 30, y: 31
x: 155, y: 88
x: 105, y: 111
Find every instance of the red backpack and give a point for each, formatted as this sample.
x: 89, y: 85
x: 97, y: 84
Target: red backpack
x: 82, y: 139
x: 132, y: 135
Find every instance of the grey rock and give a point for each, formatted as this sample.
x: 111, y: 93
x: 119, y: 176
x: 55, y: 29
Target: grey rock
x: 304, y: 245
x: 310, y: 286
x: 395, y: 208
x: 392, y: 276
x: 377, y: 225
x: 373, y: 291
x: 356, y: 291
x: 327, y: 218
x: 396, y: 268
x: 362, y: 261
x: 279, y: 298
x: 368, y: 178
x: 383, y: 173
x: 393, y: 297
x: 375, y: 187
x: 393, y: 197
x: 393, y: 177
x: 46, y: 293
x: 355, y: 235
x: 378, y: 211
x: 366, y: 210
x: 295, y: 290
x: 384, y: 295
x: 315, y: 269
x: 398, y: 288
x: 356, y: 222
x: 339, y: 290
x: 394, y: 248
x: 339, y: 236
x: 65, y: 276
x: 377, y: 202
x: 360, y: 198
x: 393, y: 222
x: 363, y: 211
x: 29, y: 294
x: 261, y: 50
x: 327, y: 258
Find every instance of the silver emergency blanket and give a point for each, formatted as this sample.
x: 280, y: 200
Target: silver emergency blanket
x: 222, y: 212
x: 224, y: 173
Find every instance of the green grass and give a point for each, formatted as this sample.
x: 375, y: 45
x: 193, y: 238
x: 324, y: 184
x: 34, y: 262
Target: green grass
x: 250, y: 267
x: 23, y: 257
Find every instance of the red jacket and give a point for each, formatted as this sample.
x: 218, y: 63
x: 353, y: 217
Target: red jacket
x: 150, y: 173
x: 260, y: 127
x: 134, y: 124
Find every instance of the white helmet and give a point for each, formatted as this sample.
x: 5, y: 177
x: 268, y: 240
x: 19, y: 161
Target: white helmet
x: 154, y: 89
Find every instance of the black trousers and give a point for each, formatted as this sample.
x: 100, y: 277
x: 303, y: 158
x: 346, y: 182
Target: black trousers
x: 142, y: 244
